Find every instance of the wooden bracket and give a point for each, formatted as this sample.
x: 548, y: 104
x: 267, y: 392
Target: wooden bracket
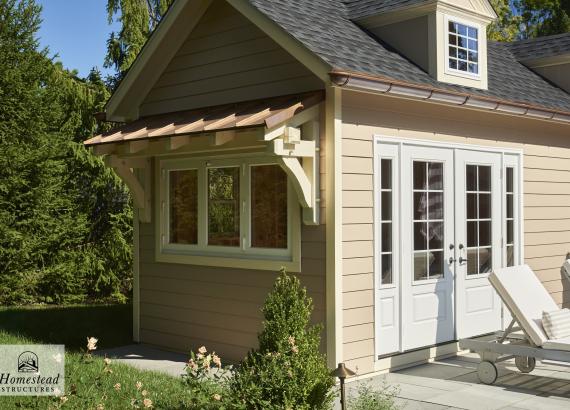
x: 298, y: 154
x: 136, y: 174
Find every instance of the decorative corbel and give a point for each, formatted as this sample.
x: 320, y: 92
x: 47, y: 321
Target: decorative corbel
x: 136, y: 174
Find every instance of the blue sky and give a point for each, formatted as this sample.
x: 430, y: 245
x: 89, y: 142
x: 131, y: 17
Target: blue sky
x: 77, y: 31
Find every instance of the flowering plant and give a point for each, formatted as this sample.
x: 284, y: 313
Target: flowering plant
x: 208, y: 381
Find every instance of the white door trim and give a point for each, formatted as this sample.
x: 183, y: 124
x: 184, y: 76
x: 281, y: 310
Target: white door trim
x: 510, y: 157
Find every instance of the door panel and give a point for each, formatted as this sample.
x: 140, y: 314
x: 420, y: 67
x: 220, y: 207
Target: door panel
x: 478, y: 234
x: 427, y: 229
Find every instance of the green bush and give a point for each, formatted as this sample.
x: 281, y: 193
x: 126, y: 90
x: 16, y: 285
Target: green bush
x: 287, y: 371
x: 369, y: 398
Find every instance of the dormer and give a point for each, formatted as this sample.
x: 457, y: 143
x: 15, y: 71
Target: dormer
x: 447, y: 39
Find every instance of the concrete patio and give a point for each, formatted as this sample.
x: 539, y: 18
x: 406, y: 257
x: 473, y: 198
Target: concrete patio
x: 444, y: 384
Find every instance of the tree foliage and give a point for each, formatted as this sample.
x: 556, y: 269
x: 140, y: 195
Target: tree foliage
x: 543, y: 17
x: 507, y: 25
x: 138, y: 18
x: 65, y: 223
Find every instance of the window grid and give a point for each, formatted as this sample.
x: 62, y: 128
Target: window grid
x: 510, y: 216
x: 463, y: 48
x: 479, y: 249
x: 428, y: 228
x: 386, y: 222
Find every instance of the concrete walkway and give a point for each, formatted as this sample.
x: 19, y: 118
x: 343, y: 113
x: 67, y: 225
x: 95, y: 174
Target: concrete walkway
x: 453, y: 384
x: 445, y: 384
x: 146, y: 357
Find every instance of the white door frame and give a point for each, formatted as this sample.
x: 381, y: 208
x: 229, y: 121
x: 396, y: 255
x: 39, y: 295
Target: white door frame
x: 512, y: 157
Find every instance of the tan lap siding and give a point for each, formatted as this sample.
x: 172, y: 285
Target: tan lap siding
x: 546, y: 186
x: 226, y: 59
x: 184, y: 307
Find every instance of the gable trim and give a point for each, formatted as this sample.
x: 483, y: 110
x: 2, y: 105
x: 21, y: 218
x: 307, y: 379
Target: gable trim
x: 285, y: 40
x: 178, y: 23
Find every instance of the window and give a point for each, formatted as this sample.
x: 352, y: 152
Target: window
x: 510, y: 216
x: 183, y: 203
x: 226, y: 210
x: 223, y: 207
x: 268, y: 207
x: 463, y: 48
x: 386, y: 222
x: 479, y: 222
x: 428, y: 220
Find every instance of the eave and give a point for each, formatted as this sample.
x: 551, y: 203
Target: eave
x: 381, y: 85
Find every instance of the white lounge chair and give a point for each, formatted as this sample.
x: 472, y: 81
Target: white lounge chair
x: 526, y: 298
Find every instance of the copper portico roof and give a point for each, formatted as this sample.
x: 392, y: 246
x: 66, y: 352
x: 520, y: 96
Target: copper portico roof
x: 267, y: 113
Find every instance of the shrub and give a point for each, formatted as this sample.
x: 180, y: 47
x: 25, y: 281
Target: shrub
x: 287, y: 371
x: 369, y: 398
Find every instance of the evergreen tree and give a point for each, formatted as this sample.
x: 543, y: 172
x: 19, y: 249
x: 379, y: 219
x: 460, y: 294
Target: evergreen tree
x: 60, y: 208
x: 138, y: 18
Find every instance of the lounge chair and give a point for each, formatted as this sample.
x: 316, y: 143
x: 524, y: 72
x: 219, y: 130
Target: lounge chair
x: 524, y: 339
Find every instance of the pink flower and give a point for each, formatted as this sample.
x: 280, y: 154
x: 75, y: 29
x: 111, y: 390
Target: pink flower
x: 147, y: 403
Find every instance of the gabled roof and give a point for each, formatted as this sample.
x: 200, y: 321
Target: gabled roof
x: 541, y: 47
x: 324, y: 34
x: 324, y: 27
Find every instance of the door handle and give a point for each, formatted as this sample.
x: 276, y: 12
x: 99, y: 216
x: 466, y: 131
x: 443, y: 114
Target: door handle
x: 462, y: 259
x: 451, y: 260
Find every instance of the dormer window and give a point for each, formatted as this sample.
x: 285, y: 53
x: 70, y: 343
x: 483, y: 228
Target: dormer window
x: 463, y: 49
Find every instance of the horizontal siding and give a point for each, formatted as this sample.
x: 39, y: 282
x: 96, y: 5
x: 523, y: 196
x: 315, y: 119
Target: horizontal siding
x: 546, y: 196
x: 226, y: 59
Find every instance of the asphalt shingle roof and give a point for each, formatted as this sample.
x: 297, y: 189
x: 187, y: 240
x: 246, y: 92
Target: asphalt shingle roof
x: 325, y: 28
x: 362, y: 8
x: 541, y: 47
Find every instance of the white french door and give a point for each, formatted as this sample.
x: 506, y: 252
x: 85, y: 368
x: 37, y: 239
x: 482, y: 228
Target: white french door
x: 478, y: 235
x: 427, y: 222
x: 446, y: 216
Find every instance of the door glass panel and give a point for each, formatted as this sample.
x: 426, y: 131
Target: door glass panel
x: 479, y: 226
x: 386, y: 225
x: 428, y: 224
x: 510, y: 194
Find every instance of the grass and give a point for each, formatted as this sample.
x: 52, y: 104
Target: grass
x: 87, y: 383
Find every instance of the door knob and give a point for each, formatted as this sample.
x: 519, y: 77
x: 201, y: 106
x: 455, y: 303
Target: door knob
x: 462, y: 259
x: 451, y: 260
x: 460, y: 246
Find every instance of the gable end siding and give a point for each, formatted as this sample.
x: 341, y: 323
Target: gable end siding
x: 226, y: 59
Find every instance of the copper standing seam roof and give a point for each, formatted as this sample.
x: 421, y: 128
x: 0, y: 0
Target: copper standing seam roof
x: 267, y: 113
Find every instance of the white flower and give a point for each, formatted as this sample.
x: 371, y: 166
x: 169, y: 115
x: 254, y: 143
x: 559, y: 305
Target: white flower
x: 57, y: 357
x: 291, y: 340
x: 139, y: 385
x: 107, y: 361
x: 100, y: 407
x: 144, y: 393
x: 63, y: 399
x: 92, y: 343
x: 147, y: 403
x: 295, y: 349
x: 217, y: 361
x: 217, y: 397
x: 202, y: 350
x: 117, y: 386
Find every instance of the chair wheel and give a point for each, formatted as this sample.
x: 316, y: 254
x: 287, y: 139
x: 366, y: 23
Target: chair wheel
x: 525, y: 364
x: 487, y: 372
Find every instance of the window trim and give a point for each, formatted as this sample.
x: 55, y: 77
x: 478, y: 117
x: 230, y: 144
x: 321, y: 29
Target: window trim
x: 243, y: 256
x: 455, y: 72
